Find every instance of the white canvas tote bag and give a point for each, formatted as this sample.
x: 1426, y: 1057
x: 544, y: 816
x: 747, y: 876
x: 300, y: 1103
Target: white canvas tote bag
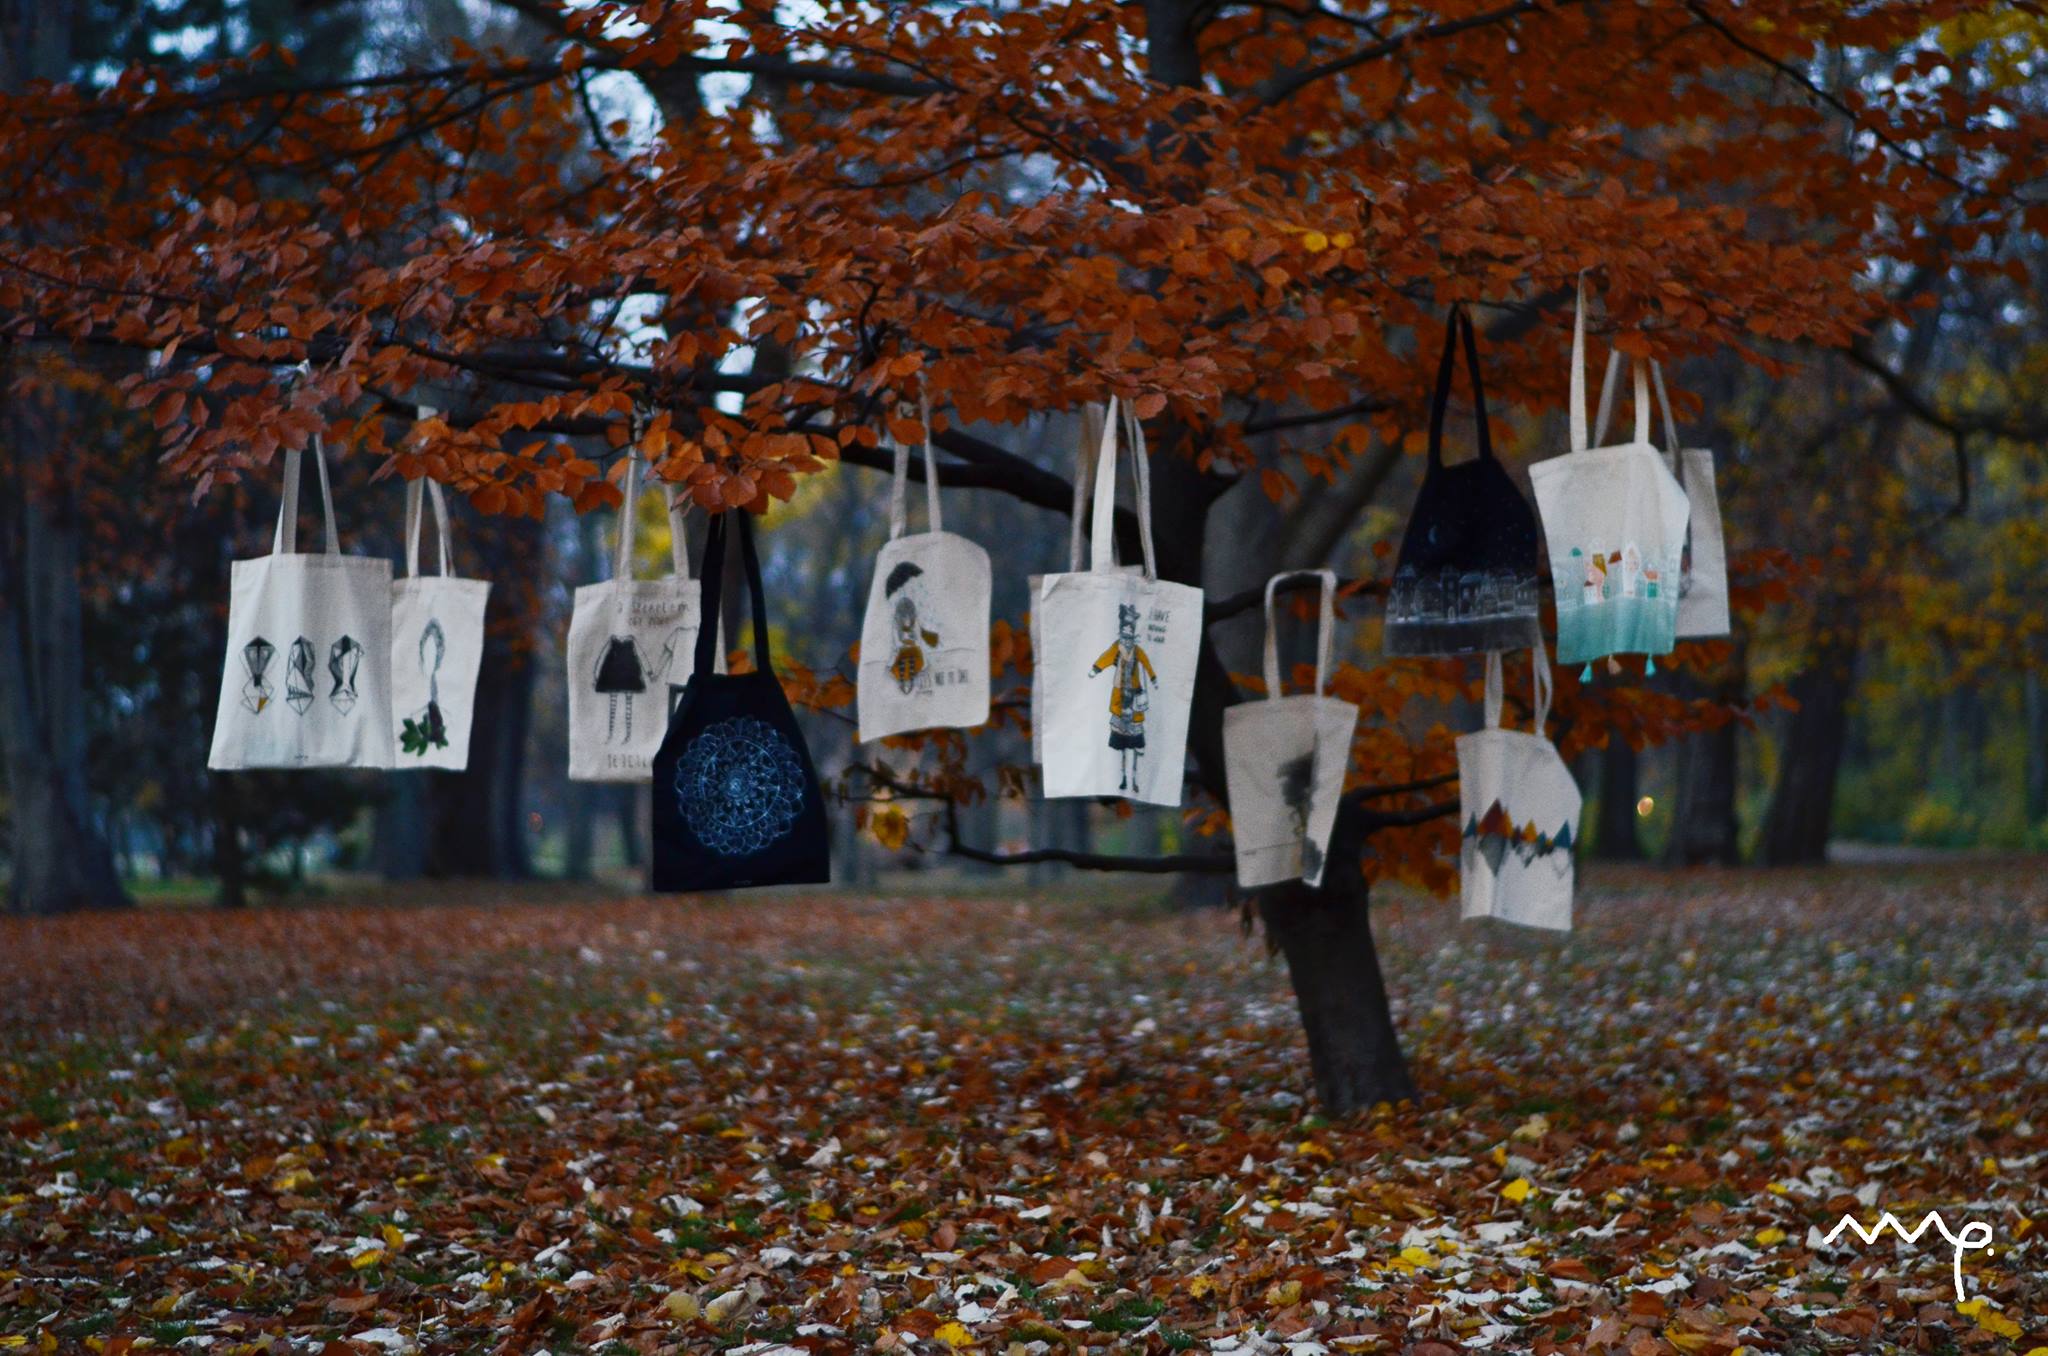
x: 1703, y: 566
x: 307, y: 681
x: 1285, y: 759
x: 1077, y: 532
x: 924, y: 644
x: 632, y: 646
x: 437, y: 645
x: 1118, y: 657
x: 1519, y: 809
x: 1614, y: 521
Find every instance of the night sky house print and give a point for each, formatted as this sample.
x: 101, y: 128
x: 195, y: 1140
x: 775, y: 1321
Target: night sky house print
x: 257, y: 691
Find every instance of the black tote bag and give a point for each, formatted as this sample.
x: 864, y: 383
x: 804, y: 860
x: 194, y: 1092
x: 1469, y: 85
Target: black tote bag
x: 1466, y: 578
x: 736, y: 799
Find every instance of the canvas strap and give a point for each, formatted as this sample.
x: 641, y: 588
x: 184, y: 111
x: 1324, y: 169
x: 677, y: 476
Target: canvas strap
x: 678, y: 543
x: 415, y: 491
x: 1102, y: 549
x: 1326, y: 626
x: 899, y: 485
x: 1092, y: 417
x: 713, y: 584
x: 1539, y: 670
x: 1458, y: 326
x: 285, y: 540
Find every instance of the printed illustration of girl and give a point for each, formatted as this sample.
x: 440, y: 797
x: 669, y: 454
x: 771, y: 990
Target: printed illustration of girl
x: 1129, y: 696
x: 1596, y: 579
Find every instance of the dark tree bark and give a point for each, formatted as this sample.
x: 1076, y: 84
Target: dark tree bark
x: 1326, y: 935
x: 479, y: 814
x: 1614, y: 837
x: 60, y: 854
x: 2037, y: 748
x: 1803, y: 800
x: 1704, y: 829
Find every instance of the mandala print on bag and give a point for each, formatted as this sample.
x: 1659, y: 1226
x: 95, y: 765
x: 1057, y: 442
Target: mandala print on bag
x: 739, y: 786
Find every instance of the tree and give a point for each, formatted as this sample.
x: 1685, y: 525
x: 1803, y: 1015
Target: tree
x: 1246, y: 218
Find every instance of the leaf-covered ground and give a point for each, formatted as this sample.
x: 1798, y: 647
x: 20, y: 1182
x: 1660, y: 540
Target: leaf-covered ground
x: 1024, y: 1124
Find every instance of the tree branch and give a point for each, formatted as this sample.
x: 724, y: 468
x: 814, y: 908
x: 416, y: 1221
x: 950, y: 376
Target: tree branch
x: 1280, y: 90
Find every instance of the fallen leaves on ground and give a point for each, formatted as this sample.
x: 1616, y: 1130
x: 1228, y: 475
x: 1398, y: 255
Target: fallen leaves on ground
x: 989, y: 1124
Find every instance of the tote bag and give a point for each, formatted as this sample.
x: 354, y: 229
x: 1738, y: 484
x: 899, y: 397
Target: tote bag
x: 437, y: 645
x: 1703, y: 564
x: 1615, y: 520
x: 307, y: 682
x: 1466, y: 577
x: 1118, y: 663
x: 1520, y: 810
x: 1077, y: 529
x: 632, y: 643
x: 1284, y: 758
x: 924, y: 643
x: 736, y: 798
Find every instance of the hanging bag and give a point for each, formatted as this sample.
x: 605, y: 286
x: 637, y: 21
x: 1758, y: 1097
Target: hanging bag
x: 307, y: 682
x: 1614, y: 518
x: 437, y: 644
x: 1520, y: 809
x: 1118, y: 656
x: 1703, y: 564
x: 1466, y: 578
x: 736, y: 799
x: 1285, y: 759
x: 631, y: 646
x: 924, y: 644
x: 1077, y: 532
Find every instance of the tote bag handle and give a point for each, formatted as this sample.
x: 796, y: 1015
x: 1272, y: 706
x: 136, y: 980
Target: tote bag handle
x: 1084, y: 473
x: 1326, y: 623
x: 1539, y: 670
x: 713, y: 583
x: 415, y: 490
x: 1102, y: 549
x: 285, y: 540
x: 899, y: 485
x: 1578, y: 410
x: 1457, y: 325
x: 1642, y: 400
x: 678, y: 544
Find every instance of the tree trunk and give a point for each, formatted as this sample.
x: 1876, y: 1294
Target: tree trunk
x: 61, y: 857
x: 2037, y: 749
x: 1614, y: 838
x: 1326, y: 936
x: 230, y: 862
x: 479, y: 814
x: 1704, y: 827
x: 1803, y: 801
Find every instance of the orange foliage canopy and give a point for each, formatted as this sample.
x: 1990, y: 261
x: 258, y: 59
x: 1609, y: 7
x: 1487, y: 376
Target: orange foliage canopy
x: 1235, y: 214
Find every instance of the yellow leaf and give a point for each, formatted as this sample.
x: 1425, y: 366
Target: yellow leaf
x: 1282, y: 1295
x: 1315, y: 242
x: 364, y: 1260
x: 681, y: 1306
x: 1685, y: 1341
x: 1308, y: 1148
x: 1517, y: 1190
x: 1201, y: 1287
x: 1988, y: 1318
x: 954, y: 1335
x: 891, y: 827
x: 394, y: 1237
x: 1771, y: 1237
x: 1413, y: 1257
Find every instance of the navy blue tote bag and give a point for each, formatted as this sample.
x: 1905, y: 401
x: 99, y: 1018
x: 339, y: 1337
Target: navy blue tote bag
x: 736, y: 799
x: 1466, y: 579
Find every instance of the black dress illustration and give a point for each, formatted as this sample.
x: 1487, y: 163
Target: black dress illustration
x: 619, y: 676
